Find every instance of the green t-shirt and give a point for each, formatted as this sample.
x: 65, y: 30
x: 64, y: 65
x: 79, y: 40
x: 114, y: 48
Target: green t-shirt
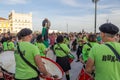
x: 5, y: 46
x: 59, y: 52
x: 86, y: 49
x: 23, y: 70
x: 85, y: 39
x: 42, y: 48
x: 10, y: 45
x: 66, y: 41
x: 79, y: 41
x: 107, y: 67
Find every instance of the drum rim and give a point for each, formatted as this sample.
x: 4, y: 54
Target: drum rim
x: 4, y: 70
x: 55, y: 64
x: 84, y: 72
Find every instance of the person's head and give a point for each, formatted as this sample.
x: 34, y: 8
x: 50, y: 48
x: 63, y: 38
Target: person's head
x: 25, y: 34
x: 46, y: 23
x: 6, y: 35
x: 80, y: 35
x: 108, y: 31
x: 10, y: 38
x: 39, y: 38
x: 92, y: 38
x: 59, y: 39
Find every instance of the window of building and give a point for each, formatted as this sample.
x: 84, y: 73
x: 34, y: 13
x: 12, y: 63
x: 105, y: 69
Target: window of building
x: 4, y: 30
x: 26, y: 21
x: 15, y: 20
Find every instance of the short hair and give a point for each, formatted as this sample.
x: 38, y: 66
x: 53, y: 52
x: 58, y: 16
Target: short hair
x: 109, y: 35
x: 92, y: 38
x: 39, y: 38
x: 24, y: 32
x: 59, y: 39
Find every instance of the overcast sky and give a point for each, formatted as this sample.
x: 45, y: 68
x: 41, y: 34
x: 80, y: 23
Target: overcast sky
x: 78, y: 14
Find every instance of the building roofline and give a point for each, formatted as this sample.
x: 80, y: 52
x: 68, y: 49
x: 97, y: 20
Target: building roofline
x: 1, y: 18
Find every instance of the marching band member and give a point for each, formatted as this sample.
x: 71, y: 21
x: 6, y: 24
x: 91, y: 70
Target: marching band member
x: 62, y: 58
x: 103, y: 57
x: 31, y: 53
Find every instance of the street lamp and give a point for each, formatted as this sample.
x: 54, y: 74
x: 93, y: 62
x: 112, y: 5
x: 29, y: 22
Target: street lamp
x: 95, y: 1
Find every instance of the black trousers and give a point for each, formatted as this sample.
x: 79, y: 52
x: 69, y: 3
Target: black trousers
x: 79, y: 51
x: 1, y: 78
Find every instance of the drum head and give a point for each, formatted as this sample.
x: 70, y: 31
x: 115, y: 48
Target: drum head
x: 52, y: 67
x: 7, y: 61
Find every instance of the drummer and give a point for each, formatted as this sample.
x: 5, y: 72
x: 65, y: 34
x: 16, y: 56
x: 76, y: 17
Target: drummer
x: 31, y: 53
x: 11, y: 44
x: 62, y: 58
x: 107, y: 65
x: 87, y: 47
x: 41, y: 46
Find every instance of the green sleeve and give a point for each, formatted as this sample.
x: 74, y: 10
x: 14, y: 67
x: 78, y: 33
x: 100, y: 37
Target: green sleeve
x: 11, y: 45
x: 43, y: 47
x: 5, y: 47
x: 92, y: 53
x: 43, y: 32
x: 84, y: 52
x: 35, y: 51
x: 66, y: 48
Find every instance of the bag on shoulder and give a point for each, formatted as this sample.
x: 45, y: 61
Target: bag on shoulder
x: 71, y: 57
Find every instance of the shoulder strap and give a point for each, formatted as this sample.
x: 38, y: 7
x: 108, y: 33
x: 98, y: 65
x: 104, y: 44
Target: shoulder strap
x: 89, y: 45
x: 27, y: 62
x: 62, y: 49
x: 114, y: 51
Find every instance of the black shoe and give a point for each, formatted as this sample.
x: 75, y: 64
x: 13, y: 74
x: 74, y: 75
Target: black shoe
x: 77, y: 61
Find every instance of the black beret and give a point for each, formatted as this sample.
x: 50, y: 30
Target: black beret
x: 24, y: 32
x: 109, y: 28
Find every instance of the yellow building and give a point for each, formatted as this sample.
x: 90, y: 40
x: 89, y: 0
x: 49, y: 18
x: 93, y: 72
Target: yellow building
x: 15, y: 22
x: 4, y: 25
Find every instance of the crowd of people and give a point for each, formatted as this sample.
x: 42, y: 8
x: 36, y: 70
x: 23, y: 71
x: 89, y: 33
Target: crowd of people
x: 90, y: 50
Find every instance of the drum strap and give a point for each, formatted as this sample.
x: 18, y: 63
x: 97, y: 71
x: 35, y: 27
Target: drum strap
x: 114, y: 51
x: 32, y: 66
x: 62, y: 49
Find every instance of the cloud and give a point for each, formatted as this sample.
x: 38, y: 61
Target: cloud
x: 76, y: 23
x: 116, y: 11
x: 86, y: 22
x: 12, y: 2
x: 70, y: 2
x: 110, y: 6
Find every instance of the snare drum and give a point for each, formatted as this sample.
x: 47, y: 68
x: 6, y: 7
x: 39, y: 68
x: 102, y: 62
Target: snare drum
x: 7, y: 63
